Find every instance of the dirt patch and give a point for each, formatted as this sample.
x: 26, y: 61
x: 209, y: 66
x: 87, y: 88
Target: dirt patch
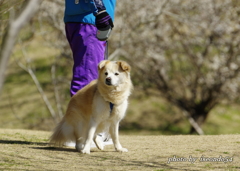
x: 28, y: 150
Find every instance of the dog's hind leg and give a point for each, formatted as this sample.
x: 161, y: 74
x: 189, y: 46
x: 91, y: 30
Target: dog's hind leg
x: 79, y: 144
x: 80, y: 136
x: 90, y: 134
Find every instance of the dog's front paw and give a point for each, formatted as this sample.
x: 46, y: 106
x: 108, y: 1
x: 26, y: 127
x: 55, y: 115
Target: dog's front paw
x: 85, y: 151
x: 122, y: 150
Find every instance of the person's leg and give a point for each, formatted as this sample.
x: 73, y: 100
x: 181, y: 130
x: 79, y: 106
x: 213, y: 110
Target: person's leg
x: 87, y: 51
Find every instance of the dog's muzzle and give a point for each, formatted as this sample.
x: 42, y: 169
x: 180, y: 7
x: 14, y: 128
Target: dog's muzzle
x: 108, y: 81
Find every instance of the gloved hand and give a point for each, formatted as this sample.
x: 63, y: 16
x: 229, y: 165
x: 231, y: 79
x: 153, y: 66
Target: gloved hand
x: 103, y: 20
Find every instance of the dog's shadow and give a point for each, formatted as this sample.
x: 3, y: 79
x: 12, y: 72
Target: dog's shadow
x: 22, y: 142
x: 55, y: 149
x: 43, y: 146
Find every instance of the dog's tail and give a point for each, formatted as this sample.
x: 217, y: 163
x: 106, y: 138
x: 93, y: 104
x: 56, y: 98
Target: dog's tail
x: 62, y: 133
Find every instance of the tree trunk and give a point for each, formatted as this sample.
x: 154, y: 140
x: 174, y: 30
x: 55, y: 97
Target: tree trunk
x: 199, y: 118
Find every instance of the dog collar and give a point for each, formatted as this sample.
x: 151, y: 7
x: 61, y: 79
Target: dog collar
x: 111, y: 106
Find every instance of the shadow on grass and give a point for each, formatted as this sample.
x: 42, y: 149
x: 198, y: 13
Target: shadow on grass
x: 45, y: 146
x: 22, y: 142
x: 143, y: 164
x: 55, y: 149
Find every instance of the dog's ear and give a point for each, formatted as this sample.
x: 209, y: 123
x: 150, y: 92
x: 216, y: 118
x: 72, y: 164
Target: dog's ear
x: 102, y: 64
x: 125, y: 66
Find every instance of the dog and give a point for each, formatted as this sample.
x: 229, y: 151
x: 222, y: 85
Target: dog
x: 97, y: 108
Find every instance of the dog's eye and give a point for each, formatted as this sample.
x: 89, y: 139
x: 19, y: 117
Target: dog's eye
x: 106, y: 73
x: 116, y: 73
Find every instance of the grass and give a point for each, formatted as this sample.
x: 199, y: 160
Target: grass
x: 28, y: 150
x: 223, y: 119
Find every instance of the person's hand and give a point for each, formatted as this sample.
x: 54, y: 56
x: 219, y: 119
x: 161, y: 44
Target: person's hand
x: 103, y: 20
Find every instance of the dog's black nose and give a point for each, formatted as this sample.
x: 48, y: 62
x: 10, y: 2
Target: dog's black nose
x: 108, y: 81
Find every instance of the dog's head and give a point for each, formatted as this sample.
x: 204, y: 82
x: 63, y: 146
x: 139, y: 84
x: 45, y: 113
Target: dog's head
x: 114, y: 73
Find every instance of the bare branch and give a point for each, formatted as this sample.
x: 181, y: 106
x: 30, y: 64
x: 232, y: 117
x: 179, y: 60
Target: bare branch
x: 38, y: 85
x: 13, y: 29
x: 56, y: 91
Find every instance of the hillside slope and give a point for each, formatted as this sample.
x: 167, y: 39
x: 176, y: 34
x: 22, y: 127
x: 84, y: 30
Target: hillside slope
x: 28, y: 150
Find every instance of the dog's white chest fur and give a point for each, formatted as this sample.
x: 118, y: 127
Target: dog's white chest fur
x: 103, y: 112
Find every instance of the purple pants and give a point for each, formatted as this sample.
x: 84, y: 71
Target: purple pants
x: 87, y: 51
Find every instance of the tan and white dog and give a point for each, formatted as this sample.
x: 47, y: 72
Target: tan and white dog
x: 90, y: 110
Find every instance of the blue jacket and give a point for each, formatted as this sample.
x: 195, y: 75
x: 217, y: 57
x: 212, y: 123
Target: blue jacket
x: 83, y: 10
